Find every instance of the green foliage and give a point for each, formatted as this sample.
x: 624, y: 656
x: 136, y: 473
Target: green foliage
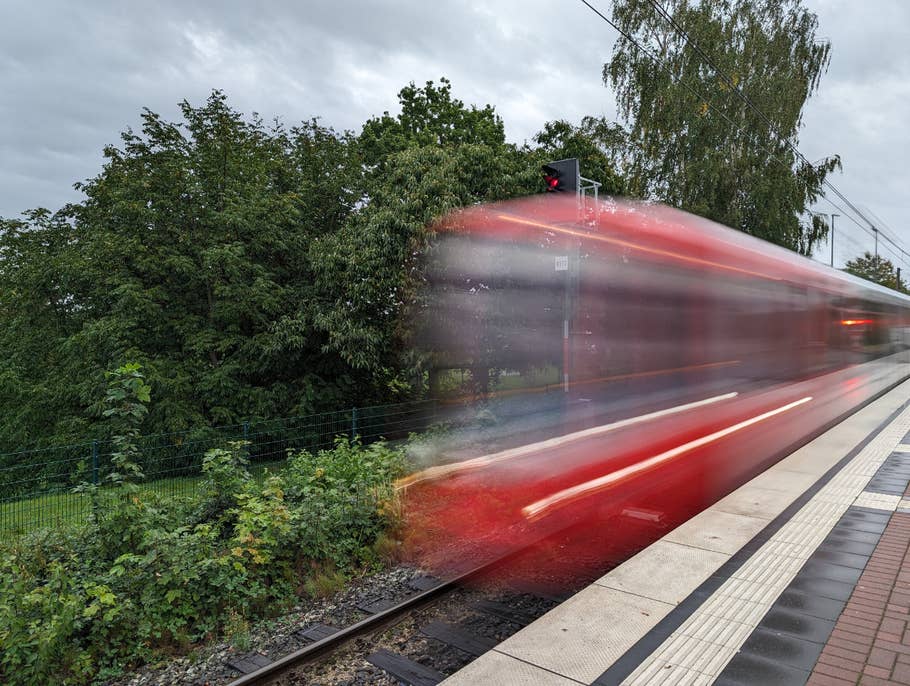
x: 435, y: 156
x: 41, y: 381
x: 120, y: 514
x: 237, y: 631
x: 225, y: 475
x: 126, y: 398
x: 368, y: 271
x: 77, y: 607
x: 695, y: 144
x: 190, y: 244
x: 322, y: 584
x: 41, y: 608
x: 351, y: 485
x: 430, y: 116
x: 599, y: 146
x: 253, y: 270
x: 876, y: 269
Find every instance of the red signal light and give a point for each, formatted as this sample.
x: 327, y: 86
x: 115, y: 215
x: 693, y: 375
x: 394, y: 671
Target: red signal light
x: 561, y: 176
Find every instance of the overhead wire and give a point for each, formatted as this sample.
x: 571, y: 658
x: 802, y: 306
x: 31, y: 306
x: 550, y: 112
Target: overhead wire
x: 883, y: 227
x: 744, y: 98
x: 784, y: 139
x: 732, y: 86
x: 701, y: 97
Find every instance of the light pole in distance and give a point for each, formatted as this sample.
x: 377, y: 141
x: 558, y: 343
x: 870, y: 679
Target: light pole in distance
x: 832, y: 237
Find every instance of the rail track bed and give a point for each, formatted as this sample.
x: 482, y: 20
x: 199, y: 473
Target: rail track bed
x: 428, y: 631
x: 417, y: 643
x: 439, y: 626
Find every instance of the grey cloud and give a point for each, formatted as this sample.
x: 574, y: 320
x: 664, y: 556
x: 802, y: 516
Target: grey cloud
x: 73, y: 75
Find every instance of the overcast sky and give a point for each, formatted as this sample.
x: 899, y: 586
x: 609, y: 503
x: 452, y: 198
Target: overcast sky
x: 75, y: 74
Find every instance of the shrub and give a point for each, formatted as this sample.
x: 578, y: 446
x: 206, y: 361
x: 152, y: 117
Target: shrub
x: 42, y: 608
x: 344, y: 497
x: 81, y: 606
x: 226, y: 473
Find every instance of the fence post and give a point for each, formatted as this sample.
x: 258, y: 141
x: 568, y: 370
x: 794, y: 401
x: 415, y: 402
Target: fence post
x: 353, y: 424
x: 95, y: 462
x: 246, y: 431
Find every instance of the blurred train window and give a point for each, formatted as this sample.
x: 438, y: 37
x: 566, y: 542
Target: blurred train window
x: 493, y: 316
x: 638, y: 321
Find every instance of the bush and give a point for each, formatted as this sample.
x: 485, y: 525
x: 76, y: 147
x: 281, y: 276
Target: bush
x: 78, y: 607
x: 42, y: 607
x: 225, y: 473
x: 346, y: 497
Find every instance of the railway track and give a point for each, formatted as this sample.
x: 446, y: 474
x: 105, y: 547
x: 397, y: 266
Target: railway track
x: 325, y: 638
x: 418, y: 640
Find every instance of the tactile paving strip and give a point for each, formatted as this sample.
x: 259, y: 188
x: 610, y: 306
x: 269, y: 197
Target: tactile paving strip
x: 794, y: 631
x: 891, y: 478
x: 737, y: 599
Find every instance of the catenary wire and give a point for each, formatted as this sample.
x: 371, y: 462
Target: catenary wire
x: 736, y: 127
x: 748, y: 102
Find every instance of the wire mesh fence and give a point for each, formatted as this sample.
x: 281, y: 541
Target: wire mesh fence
x: 37, y: 486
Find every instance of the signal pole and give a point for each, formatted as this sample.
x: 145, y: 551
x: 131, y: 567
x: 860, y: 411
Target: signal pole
x: 832, y: 238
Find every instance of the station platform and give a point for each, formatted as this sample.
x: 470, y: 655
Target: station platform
x: 797, y: 577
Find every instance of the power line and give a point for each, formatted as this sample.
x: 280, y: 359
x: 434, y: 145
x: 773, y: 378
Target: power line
x: 745, y: 99
x: 657, y: 60
x: 701, y: 97
x: 730, y: 84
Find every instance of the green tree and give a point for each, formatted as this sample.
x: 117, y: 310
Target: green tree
x: 693, y: 143
x: 199, y: 231
x: 877, y: 269
x: 598, y: 144
x: 429, y: 116
x: 190, y: 244
x: 253, y: 270
x: 39, y: 376
x: 126, y: 400
x: 437, y: 155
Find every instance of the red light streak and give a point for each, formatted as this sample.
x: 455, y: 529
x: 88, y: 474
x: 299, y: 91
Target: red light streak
x: 636, y: 246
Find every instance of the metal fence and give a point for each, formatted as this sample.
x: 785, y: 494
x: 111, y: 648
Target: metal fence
x: 37, y: 486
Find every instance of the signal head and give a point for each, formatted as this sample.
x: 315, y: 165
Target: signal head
x: 561, y: 176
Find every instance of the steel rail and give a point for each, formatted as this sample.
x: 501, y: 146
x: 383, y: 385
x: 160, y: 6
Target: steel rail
x: 342, y: 636
x: 381, y: 618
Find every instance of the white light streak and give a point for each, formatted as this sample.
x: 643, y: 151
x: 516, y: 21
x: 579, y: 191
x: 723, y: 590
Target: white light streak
x: 541, y: 507
x: 559, y: 441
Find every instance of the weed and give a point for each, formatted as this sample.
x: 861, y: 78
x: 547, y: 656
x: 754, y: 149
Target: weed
x: 237, y: 631
x: 323, y: 582
x: 152, y: 577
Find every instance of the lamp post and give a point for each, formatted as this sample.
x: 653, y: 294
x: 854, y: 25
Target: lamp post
x: 832, y: 238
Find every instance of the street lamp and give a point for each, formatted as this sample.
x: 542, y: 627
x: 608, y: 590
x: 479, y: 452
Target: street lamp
x: 824, y: 214
x: 832, y: 237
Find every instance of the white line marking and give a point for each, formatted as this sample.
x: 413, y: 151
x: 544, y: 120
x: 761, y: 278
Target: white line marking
x: 540, y: 507
x: 485, y: 460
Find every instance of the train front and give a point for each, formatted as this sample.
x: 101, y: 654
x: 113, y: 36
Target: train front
x: 603, y: 376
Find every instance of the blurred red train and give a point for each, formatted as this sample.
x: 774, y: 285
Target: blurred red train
x: 625, y: 371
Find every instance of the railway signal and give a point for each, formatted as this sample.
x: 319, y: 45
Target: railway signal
x: 561, y: 176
